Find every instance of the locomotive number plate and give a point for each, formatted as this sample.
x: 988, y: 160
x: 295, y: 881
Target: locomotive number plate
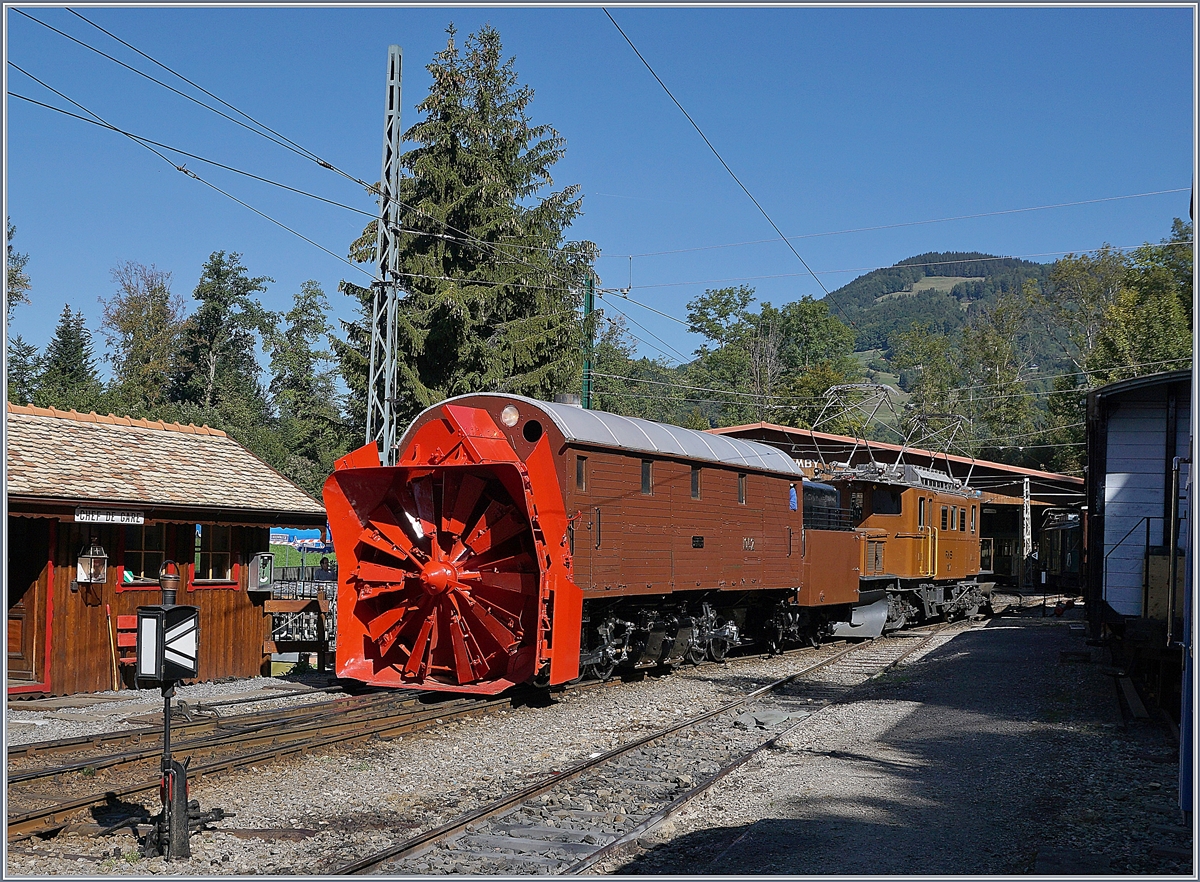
x: 697, y: 542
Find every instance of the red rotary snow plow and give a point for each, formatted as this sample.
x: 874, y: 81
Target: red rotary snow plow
x: 454, y: 570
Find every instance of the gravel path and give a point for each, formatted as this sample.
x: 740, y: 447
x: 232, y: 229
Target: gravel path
x: 991, y: 755
x: 968, y: 759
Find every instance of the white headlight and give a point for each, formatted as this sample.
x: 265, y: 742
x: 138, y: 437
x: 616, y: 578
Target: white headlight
x: 510, y: 415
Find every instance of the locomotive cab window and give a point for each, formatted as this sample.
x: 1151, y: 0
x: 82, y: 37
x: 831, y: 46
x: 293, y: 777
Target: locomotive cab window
x: 580, y: 472
x: 962, y: 519
x: 921, y: 512
x: 695, y: 482
x: 742, y: 488
x: 647, y: 484
x: 945, y: 516
x: 973, y: 518
x: 885, y: 501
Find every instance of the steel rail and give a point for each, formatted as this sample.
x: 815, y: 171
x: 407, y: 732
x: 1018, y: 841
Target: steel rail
x: 101, y: 739
x: 679, y: 802
x: 290, y: 728
x: 47, y: 819
x: 419, y: 842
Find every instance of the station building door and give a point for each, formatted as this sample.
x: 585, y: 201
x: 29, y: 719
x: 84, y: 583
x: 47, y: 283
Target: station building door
x: 28, y: 573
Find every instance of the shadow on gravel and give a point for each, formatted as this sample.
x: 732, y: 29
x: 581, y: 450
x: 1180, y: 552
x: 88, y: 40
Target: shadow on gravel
x: 993, y: 748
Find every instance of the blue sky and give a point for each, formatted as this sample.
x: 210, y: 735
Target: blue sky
x: 834, y: 118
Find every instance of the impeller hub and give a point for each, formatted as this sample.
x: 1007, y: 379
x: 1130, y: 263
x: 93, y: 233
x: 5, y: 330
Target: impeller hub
x: 437, y: 577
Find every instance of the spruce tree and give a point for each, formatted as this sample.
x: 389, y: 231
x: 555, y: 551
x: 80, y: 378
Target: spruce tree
x: 69, y: 378
x: 491, y: 288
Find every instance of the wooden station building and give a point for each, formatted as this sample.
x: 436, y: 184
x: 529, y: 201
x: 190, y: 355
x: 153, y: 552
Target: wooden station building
x: 135, y: 493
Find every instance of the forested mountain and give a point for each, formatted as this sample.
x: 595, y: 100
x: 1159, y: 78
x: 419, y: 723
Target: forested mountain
x: 937, y: 289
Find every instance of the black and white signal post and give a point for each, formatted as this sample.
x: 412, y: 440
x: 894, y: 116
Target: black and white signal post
x: 168, y: 646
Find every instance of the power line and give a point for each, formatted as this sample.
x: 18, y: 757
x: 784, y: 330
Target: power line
x: 148, y: 142
x: 720, y: 159
x: 192, y: 174
x: 304, y: 151
x: 682, y: 358
x: 937, y: 220
x: 276, y: 138
x: 282, y: 143
x: 182, y: 152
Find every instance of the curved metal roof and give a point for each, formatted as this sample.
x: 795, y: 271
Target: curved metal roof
x: 630, y: 433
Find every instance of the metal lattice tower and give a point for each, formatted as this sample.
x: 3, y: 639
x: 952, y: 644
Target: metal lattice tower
x: 381, y: 378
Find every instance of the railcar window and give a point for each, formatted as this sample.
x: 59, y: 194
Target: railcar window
x: 973, y: 518
x: 885, y: 501
x: 580, y: 472
x: 647, y: 484
x: 742, y: 488
x: 695, y: 482
x: 962, y: 519
x: 945, y: 516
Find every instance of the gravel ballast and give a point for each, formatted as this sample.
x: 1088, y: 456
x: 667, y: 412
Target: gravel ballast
x: 977, y: 756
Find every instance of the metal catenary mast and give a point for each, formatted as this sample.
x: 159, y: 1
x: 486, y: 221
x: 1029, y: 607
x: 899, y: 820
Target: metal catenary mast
x: 381, y: 377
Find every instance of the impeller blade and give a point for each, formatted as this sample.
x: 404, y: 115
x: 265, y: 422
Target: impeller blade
x: 457, y: 508
x: 497, y: 524
x: 422, y: 491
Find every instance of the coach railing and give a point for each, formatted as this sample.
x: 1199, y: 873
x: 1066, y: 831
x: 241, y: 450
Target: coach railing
x: 303, y: 613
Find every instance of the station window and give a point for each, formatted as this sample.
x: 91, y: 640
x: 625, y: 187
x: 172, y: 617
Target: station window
x: 695, y: 482
x: 962, y: 519
x: 945, y: 516
x: 580, y: 472
x: 214, y: 555
x: 742, y: 488
x: 647, y: 484
x: 144, y: 546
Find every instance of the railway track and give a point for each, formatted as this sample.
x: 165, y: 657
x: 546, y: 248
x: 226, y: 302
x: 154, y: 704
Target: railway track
x: 44, y: 798
x: 571, y: 820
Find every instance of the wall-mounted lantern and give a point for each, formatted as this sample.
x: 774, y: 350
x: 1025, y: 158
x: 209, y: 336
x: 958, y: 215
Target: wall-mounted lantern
x: 92, y: 566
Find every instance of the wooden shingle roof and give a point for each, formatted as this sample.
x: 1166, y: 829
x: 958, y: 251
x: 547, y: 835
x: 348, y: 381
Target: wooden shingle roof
x: 56, y: 454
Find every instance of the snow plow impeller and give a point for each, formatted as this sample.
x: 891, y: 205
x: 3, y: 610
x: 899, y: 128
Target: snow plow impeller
x: 445, y: 579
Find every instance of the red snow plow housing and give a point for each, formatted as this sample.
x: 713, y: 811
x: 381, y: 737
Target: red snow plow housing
x: 454, y: 569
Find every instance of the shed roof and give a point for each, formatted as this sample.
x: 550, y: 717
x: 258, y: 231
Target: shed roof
x: 54, y: 454
x: 630, y: 433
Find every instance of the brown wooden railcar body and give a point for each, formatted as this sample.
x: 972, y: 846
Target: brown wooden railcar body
x: 735, y: 533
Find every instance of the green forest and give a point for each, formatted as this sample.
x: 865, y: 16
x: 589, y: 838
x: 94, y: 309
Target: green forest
x: 996, y: 352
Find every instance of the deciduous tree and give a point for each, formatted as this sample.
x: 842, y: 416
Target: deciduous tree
x: 17, y: 283
x: 143, y: 323
x: 222, y: 334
